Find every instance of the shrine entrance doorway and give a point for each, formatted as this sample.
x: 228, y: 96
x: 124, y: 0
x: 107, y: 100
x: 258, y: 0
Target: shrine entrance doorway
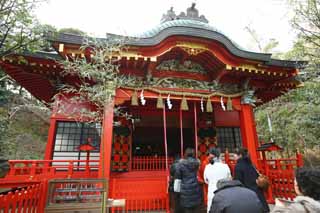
x: 148, y: 133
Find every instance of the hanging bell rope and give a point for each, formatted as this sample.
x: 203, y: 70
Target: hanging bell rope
x: 184, y: 104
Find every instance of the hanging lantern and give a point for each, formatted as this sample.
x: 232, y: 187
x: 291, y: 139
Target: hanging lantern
x: 201, y: 105
x: 160, y: 102
x: 169, y: 102
x: 134, y: 99
x: 184, y: 104
x: 229, y: 104
x: 222, y: 104
x: 209, y: 105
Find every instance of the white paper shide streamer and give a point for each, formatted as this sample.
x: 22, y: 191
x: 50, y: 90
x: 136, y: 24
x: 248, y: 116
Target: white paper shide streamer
x: 143, y: 101
x: 169, y: 102
x: 222, y: 104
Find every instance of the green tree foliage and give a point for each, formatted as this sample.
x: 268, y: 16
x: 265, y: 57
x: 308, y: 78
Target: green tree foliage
x: 306, y: 22
x: 296, y: 116
x: 264, y: 46
x: 99, y: 78
x: 17, y: 25
x: 73, y: 31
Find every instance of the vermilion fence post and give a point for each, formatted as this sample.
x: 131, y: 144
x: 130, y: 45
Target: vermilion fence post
x: 299, y: 159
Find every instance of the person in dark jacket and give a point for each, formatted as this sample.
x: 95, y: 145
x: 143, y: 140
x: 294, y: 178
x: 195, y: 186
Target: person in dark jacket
x: 174, y: 196
x: 190, y: 189
x: 246, y: 173
x: 232, y: 197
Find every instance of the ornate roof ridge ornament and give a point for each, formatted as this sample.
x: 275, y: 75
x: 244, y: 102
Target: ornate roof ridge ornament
x: 192, y: 14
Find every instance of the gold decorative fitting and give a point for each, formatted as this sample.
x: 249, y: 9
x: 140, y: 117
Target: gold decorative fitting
x: 192, y: 48
x: 228, y: 67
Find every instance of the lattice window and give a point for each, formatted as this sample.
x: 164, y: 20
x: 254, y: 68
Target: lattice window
x: 69, y: 136
x: 229, y: 137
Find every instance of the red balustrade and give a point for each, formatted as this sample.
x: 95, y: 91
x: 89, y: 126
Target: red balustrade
x: 46, y: 169
x: 28, y: 199
x: 141, y: 194
x: 280, y: 173
x: 150, y: 163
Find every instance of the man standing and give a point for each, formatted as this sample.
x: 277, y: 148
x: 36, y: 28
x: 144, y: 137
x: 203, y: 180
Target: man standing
x: 186, y: 182
x: 214, y: 172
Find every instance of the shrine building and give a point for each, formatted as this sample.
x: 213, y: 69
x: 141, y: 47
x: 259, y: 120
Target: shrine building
x: 196, y: 88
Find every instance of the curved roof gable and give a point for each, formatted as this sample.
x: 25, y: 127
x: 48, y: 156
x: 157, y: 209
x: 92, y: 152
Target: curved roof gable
x: 186, y: 24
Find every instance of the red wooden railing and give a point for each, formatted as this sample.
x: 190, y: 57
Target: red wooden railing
x: 141, y: 194
x: 28, y: 199
x: 151, y: 163
x: 40, y: 169
x: 280, y: 173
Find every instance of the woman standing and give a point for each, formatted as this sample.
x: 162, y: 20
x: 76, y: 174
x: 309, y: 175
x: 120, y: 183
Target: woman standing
x: 214, y: 172
x: 246, y: 173
x: 186, y: 177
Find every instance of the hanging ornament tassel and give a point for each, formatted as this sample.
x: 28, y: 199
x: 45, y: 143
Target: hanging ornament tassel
x: 209, y: 105
x: 184, y: 104
x: 160, y: 102
x: 229, y: 104
x: 134, y: 99
x: 222, y: 104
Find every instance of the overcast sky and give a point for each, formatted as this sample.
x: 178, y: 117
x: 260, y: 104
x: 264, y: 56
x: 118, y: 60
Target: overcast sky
x: 268, y: 17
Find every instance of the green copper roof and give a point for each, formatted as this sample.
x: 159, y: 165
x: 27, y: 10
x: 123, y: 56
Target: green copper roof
x: 177, y: 23
x: 182, y: 23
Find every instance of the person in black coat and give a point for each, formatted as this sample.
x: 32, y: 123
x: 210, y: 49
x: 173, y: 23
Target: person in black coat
x: 190, y: 189
x: 232, y: 197
x: 174, y: 196
x: 246, y: 173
